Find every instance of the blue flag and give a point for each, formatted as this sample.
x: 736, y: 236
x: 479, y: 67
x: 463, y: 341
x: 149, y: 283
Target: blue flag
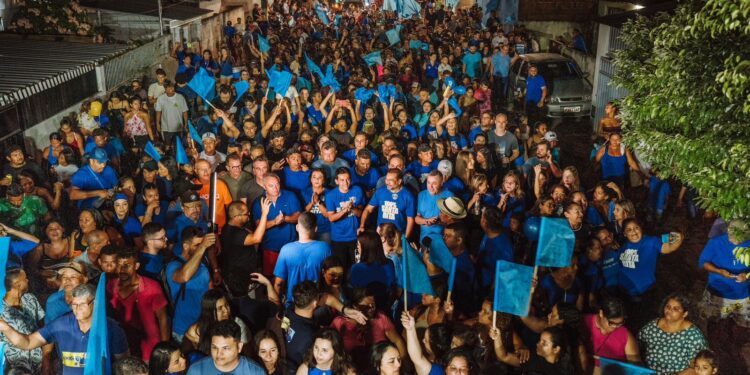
x: 418, y: 44
x: 439, y: 253
x: 240, y: 87
x: 611, y: 366
x: 151, y: 151
x: 393, y: 37
x: 279, y: 81
x: 453, y: 4
x: 180, y: 154
x: 322, y: 14
x: 329, y: 80
x: 373, y: 58
x: 4, y: 251
x: 390, y: 5
x: 408, y: 9
x: 512, y: 288
x: 98, y: 360
x: 416, y: 278
x: 313, y: 67
x: 454, y: 104
x: 451, y: 275
x: 449, y: 82
x: 459, y: 90
x: 303, y: 83
x: 204, y: 84
x: 194, y: 134
x: 556, y: 243
x: 2, y: 358
x: 363, y: 95
x: 263, y: 45
x: 383, y: 93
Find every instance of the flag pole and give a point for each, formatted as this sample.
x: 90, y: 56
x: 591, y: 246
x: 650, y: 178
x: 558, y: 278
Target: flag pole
x: 531, y: 292
x: 212, y: 201
x: 494, y: 319
x: 404, y: 267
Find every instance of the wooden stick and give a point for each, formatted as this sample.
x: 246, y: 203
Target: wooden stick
x: 494, y: 319
x: 449, y: 297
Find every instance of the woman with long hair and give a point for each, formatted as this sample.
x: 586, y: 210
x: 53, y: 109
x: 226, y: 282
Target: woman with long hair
x: 330, y: 282
x: 125, y: 221
x: 89, y: 220
x: 326, y: 356
x: 267, y: 352
x: 214, y: 308
x: 552, y: 355
x: 373, y: 270
x: 511, y: 197
x: 571, y: 179
x: 166, y: 358
x: 385, y: 359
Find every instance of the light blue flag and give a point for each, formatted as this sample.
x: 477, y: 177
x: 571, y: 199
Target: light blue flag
x: 204, y: 84
x: 454, y: 104
x: 409, y: 9
x: 512, y: 288
x: 151, y: 151
x: 179, y: 154
x: 363, y: 95
x: 303, y: 83
x: 373, y: 58
x: 4, y: 251
x: 313, y: 67
x: 329, y: 80
x: 240, y: 87
x: 439, y: 253
x: 98, y: 360
x: 390, y: 5
x: 556, y: 243
x: 418, y: 44
x: 383, y: 93
x: 279, y: 81
x: 194, y: 134
x: 2, y: 358
x: 611, y: 366
x: 263, y: 45
x: 460, y: 90
x: 416, y: 278
x: 322, y: 14
x: 449, y: 82
x: 452, y: 274
x: 393, y: 37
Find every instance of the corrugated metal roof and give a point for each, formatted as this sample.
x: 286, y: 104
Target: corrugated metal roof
x: 176, y: 11
x: 33, y: 66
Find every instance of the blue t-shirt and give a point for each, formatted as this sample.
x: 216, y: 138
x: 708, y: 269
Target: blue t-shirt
x: 593, y: 218
x: 534, y: 86
x: 151, y: 265
x: 638, y: 261
x: 368, y: 182
x: 394, y: 207
x: 160, y: 218
x: 187, y: 308
x: 174, y: 233
x: 491, y: 250
x: 500, y: 65
x: 409, y: 132
x: 379, y: 278
x: 512, y: 206
x: 345, y: 229
x: 458, y: 141
x: 86, y: 179
x: 455, y: 186
x: 321, y: 221
x: 718, y: 251
x: 350, y: 155
x: 473, y: 134
x: 55, y: 307
x: 130, y: 229
x: 300, y: 262
x: 556, y: 294
x: 278, y: 236
x: 296, y: 182
x: 420, y: 171
x: 71, y: 343
x: 205, y: 366
x: 472, y: 62
x: 428, y: 209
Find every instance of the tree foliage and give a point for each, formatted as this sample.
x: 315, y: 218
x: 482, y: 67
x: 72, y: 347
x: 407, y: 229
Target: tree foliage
x: 688, y: 108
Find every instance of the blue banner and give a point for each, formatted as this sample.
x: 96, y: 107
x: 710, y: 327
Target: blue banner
x: 393, y: 37
x: 194, y: 134
x: 512, y: 288
x: 416, y: 278
x: 4, y: 251
x: 451, y: 275
x: 279, y: 81
x: 313, y: 67
x: 204, y: 84
x: 440, y: 255
x: 151, y: 151
x: 263, y: 45
x: 373, y: 58
x: 98, y: 360
x: 556, y: 243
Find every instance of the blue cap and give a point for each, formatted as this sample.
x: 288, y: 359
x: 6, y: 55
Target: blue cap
x: 119, y: 196
x: 99, y: 155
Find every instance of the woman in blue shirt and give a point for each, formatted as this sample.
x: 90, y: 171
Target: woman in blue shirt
x: 314, y: 198
x: 225, y: 63
x: 125, y: 222
x: 373, y: 270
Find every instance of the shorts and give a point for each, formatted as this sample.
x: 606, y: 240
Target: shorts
x: 269, y: 261
x: 713, y: 307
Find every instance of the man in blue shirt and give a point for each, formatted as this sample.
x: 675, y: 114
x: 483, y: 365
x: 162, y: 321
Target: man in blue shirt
x: 300, y: 260
x: 427, y: 209
x: 363, y: 175
x: 500, y: 67
x: 285, y: 210
x: 496, y: 244
x: 344, y: 204
x: 424, y: 164
x: 472, y: 63
x: 536, y: 92
x: 70, y: 333
x: 225, y: 358
x: 394, y: 204
x: 93, y: 183
x: 188, y: 279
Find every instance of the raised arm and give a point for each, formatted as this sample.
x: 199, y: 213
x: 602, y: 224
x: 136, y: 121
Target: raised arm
x: 413, y: 347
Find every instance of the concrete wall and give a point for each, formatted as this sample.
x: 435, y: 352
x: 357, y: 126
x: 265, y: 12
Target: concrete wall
x: 126, y: 26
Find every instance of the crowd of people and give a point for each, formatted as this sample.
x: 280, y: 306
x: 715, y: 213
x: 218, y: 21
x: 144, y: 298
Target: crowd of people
x: 300, y: 268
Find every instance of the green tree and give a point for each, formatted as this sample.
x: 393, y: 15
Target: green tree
x: 688, y: 108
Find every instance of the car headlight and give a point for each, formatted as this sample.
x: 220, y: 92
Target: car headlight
x: 554, y: 99
x: 587, y: 98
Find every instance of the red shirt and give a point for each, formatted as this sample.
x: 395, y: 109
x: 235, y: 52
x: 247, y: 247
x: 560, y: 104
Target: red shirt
x: 136, y: 314
x: 357, y: 336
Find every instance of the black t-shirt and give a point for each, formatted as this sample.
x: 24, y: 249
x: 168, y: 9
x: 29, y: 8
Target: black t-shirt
x: 236, y: 260
x: 298, y: 338
x: 537, y: 365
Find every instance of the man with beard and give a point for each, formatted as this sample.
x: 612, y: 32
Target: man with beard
x: 139, y: 305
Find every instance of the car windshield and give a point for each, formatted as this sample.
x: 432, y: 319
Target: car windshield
x: 559, y: 70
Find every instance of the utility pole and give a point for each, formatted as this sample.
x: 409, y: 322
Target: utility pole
x: 161, y: 19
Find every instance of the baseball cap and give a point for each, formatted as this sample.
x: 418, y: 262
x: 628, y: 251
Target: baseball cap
x: 75, y: 266
x: 189, y: 197
x: 452, y: 207
x: 306, y: 148
x: 150, y: 166
x: 550, y: 136
x: 208, y: 135
x: 99, y: 155
x: 445, y: 167
x: 119, y: 196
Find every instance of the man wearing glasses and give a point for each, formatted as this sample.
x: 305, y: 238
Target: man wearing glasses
x: 151, y: 258
x: 70, y: 333
x: 235, y: 177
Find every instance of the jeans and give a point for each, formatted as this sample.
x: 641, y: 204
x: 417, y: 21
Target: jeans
x: 499, y: 90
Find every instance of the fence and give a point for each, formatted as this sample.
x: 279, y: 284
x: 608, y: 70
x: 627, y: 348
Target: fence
x: 129, y: 64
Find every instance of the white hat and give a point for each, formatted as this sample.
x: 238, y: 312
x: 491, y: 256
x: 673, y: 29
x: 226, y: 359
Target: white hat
x: 208, y: 135
x: 550, y: 136
x: 445, y: 167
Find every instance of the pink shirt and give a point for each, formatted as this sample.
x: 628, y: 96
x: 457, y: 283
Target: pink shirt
x: 356, y: 336
x: 137, y: 313
x: 609, y: 346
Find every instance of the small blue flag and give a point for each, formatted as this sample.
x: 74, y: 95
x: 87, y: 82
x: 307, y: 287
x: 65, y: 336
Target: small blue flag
x: 279, y: 81
x: 4, y: 251
x: 329, y: 80
x: 322, y: 14
x: 449, y: 82
x: 611, y: 366
x: 180, y: 154
x: 194, y: 134
x: 303, y: 83
x: 313, y: 67
x: 204, y: 84
x: 373, y: 58
x: 556, y: 243
x: 383, y: 93
x: 512, y: 288
x: 416, y: 278
x: 440, y: 255
x: 453, y: 4
x: 151, y: 151
x: 363, y: 95
x: 263, y: 45
x: 240, y: 87
x: 98, y: 359
x: 390, y: 5
x: 418, y: 44
x: 409, y: 9
x: 452, y: 274
x: 454, y: 104
x: 393, y: 37
x: 2, y: 358
x: 460, y: 90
